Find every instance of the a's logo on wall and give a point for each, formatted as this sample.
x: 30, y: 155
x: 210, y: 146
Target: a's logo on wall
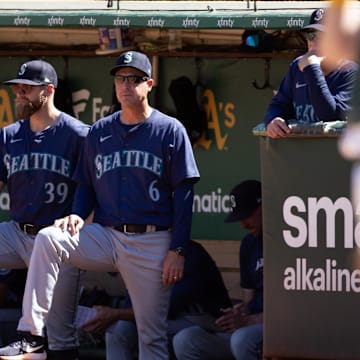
x: 219, y: 115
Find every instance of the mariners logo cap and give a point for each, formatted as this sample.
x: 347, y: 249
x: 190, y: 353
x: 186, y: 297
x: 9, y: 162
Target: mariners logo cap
x: 316, y: 21
x: 35, y: 72
x: 133, y: 59
x: 245, y: 199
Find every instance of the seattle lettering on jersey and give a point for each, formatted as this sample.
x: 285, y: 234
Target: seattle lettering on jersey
x: 37, y: 161
x: 128, y: 158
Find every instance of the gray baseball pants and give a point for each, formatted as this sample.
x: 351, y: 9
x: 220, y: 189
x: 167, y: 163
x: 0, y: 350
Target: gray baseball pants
x: 139, y: 258
x: 15, y: 253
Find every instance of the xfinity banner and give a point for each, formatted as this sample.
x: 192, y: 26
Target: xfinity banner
x: 311, y: 241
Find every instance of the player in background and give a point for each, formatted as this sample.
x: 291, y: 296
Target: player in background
x: 137, y: 171
x: 314, y: 88
x: 38, y: 154
x: 241, y: 334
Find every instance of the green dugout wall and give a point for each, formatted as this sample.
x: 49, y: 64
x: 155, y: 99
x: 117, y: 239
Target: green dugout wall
x: 311, y: 240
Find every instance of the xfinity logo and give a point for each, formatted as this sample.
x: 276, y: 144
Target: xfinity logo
x: 121, y: 22
x: 302, y: 219
x: 55, y: 21
x: 291, y: 23
x: 190, y: 23
x: 84, y: 21
x: 22, y: 20
x: 152, y: 22
x: 260, y: 23
x: 225, y: 23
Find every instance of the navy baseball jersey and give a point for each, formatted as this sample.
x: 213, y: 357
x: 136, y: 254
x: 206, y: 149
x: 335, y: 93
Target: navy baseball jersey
x: 252, y: 270
x: 134, y: 169
x: 38, y: 168
x: 309, y: 96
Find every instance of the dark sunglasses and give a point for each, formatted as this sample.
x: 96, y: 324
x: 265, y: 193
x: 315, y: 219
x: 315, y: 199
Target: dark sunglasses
x: 131, y: 79
x: 312, y: 35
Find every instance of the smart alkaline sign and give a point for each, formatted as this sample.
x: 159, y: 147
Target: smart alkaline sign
x: 303, y: 232
x: 311, y: 243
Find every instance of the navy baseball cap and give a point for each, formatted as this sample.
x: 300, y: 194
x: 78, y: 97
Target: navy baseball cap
x: 133, y: 59
x: 316, y: 21
x: 35, y: 72
x: 245, y: 199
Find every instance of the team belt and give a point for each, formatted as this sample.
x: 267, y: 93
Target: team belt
x: 138, y: 228
x: 31, y: 229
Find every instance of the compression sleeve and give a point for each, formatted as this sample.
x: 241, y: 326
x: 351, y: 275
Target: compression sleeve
x: 84, y: 201
x: 181, y: 225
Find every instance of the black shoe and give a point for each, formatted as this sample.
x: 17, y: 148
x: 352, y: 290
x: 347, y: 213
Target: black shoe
x: 30, y: 347
x: 70, y: 354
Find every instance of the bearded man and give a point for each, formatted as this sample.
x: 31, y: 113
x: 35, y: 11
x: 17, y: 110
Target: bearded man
x: 38, y: 155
